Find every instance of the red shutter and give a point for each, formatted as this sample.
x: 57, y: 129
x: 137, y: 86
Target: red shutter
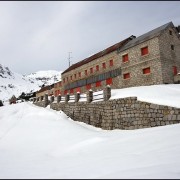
x: 111, y: 62
x: 88, y: 86
x: 91, y: 70
x: 65, y: 92
x: 146, y: 70
x: 127, y: 76
x: 144, y: 51
x: 108, y: 81
x: 97, y: 68
x: 98, y: 83
x: 78, y: 89
x: 86, y: 72
x: 104, y: 65
x: 175, y: 70
x: 72, y: 91
x: 125, y: 58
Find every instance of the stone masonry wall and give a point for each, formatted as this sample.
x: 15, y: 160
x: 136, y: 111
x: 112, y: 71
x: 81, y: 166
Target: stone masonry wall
x: 126, y: 113
x: 169, y: 57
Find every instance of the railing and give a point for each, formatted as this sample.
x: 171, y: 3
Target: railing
x: 89, y: 97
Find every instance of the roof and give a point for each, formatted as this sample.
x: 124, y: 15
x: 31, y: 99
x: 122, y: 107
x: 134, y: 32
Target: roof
x: 149, y: 35
x: 108, y: 50
x: 43, y: 89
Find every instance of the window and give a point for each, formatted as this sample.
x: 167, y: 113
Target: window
x: 58, y: 92
x: 111, y: 62
x: 104, y: 65
x: 74, y: 76
x: 91, y: 70
x: 108, y: 81
x: 146, y: 70
x: 125, y: 58
x: 72, y: 91
x: 88, y: 86
x: 67, y: 79
x: 97, y: 68
x: 98, y: 83
x: 170, y: 32
x: 127, y: 76
x: 144, y: 51
x: 64, y: 80
x: 78, y: 89
x: 65, y: 92
x: 86, y: 72
x: 71, y: 78
x: 175, y: 70
x: 79, y: 74
x: 172, y: 47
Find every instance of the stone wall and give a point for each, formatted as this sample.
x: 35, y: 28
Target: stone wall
x: 169, y: 57
x: 126, y: 113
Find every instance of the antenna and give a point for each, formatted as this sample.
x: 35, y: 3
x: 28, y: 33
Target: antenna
x: 69, y: 57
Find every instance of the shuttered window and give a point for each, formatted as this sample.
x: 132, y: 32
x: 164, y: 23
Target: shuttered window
x: 67, y: 79
x: 111, y: 62
x: 108, y: 81
x: 97, y: 68
x: 74, y: 76
x: 65, y: 92
x: 104, y: 65
x: 85, y: 72
x: 146, y: 70
x: 72, y: 91
x: 175, y: 70
x: 125, y: 58
x: 91, y: 70
x: 144, y: 51
x: 127, y: 76
x: 98, y: 83
x: 78, y: 89
x: 79, y: 74
x: 88, y: 86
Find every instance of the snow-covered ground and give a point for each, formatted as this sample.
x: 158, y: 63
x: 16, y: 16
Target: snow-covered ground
x: 39, y: 142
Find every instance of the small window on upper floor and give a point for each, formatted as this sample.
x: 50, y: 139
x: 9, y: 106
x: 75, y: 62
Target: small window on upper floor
x: 104, y: 65
x: 85, y: 72
x: 125, y: 58
x: 79, y: 74
x: 172, y: 47
x: 147, y: 70
x: 97, y: 68
x: 91, y: 70
x: 71, y: 78
x: 111, y: 62
x: 74, y: 76
x: 144, y: 51
x: 170, y: 32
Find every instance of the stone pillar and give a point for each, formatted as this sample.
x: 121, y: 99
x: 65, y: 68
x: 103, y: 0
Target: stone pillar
x: 107, y: 93
x: 67, y: 98
x: 46, y: 101
x: 77, y: 97
x: 90, y: 96
x: 52, y: 99
x: 58, y: 98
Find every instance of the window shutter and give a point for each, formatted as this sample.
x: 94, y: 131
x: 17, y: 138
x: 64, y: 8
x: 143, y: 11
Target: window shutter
x: 98, y: 83
x: 146, y: 70
x: 125, y: 58
x: 127, y: 76
x: 144, y: 51
x: 108, y: 81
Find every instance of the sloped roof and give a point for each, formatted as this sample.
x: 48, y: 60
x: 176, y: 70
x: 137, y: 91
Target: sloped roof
x: 100, y: 54
x: 149, y: 35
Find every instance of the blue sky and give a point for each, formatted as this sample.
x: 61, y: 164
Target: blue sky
x: 38, y: 35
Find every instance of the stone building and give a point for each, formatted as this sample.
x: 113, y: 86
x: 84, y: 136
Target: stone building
x: 152, y: 58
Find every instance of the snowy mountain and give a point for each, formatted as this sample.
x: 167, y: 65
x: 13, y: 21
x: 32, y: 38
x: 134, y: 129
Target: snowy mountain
x: 14, y: 83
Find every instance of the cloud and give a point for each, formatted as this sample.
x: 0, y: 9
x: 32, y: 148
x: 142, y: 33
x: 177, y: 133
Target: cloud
x: 38, y: 35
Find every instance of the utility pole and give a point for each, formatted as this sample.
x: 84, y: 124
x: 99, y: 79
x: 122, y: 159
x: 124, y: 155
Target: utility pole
x: 69, y: 57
